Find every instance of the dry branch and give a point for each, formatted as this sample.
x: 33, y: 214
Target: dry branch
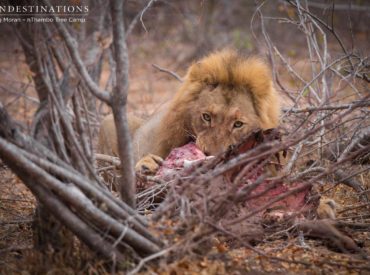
x: 118, y: 104
x: 76, y: 193
x: 72, y: 46
x: 171, y: 73
x: 25, y: 170
x: 209, y: 199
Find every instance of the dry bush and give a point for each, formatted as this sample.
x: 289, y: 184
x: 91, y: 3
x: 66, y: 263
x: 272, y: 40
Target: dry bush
x: 325, y: 130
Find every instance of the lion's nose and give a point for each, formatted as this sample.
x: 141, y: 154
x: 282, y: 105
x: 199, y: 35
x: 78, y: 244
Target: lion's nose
x: 207, y: 153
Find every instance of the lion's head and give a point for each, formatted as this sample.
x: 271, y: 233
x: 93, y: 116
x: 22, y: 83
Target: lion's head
x: 226, y: 97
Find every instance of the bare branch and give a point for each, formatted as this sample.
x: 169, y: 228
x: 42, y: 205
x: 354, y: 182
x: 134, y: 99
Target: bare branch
x: 119, y: 100
x: 171, y: 73
x: 72, y: 46
x: 329, y: 107
x: 143, y: 11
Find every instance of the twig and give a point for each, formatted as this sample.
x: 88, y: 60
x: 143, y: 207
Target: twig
x: 328, y: 107
x: 354, y: 207
x: 148, y: 259
x: 113, y: 160
x: 143, y: 11
x: 171, y: 73
x: 71, y: 44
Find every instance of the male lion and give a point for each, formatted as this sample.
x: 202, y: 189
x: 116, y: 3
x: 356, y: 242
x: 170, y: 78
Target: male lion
x: 223, y: 98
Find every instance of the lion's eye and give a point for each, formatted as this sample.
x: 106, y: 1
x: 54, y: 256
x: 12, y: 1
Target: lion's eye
x: 238, y: 124
x: 206, y: 117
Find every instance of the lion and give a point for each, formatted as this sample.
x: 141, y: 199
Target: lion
x: 223, y: 98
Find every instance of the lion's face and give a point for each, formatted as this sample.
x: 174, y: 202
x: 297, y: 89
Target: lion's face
x: 221, y: 117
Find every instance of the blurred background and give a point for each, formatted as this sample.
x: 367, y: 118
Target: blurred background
x: 172, y: 34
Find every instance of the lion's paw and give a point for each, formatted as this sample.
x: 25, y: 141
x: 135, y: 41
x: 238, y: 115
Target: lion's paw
x: 148, y: 165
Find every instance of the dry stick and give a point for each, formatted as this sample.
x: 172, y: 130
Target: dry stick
x: 78, y: 200
x: 344, y: 78
x: 315, y: 78
x: 138, y: 16
x: 9, y: 130
x: 72, y: 47
x: 329, y: 107
x: 220, y: 209
x: 148, y: 259
x: 259, y: 152
x: 30, y: 98
x: 310, y: 34
x: 58, y: 140
x: 58, y: 209
x: 95, y: 192
x: 343, y: 238
x: 171, y: 73
x: 349, y: 181
x: 259, y: 252
x: 60, y: 121
x: 142, y: 13
x: 329, y: 155
x: 269, y: 46
x: 118, y: 104
x: 106, y: 168
x: 42, y: 152
x: 289, y: 143
x: 29, y: 144
x: 39, y: 150
x: 343, y: 7
x: 354, y: 207
x: 89, y: 124
x: 18, y: 222
x: 363, y: 136
x: 361, y: 216
x: 331, y: 29
x: 77, y: 154
x: 107, y: 158
x: 71, y: 134
x: 307, y: 173
x: 293, y: 191
x: 132, y: 24
x: 355, y: 226
x: 289, y: 166
x: 293, y: 72
x: 341, y: 176
x: 81, y: 129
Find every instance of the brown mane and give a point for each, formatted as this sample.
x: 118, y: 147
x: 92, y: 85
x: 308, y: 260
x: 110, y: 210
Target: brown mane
x: 228, y: 68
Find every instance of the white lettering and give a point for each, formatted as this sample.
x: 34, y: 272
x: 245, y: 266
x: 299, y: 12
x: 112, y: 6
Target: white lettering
x: 75, y: 20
